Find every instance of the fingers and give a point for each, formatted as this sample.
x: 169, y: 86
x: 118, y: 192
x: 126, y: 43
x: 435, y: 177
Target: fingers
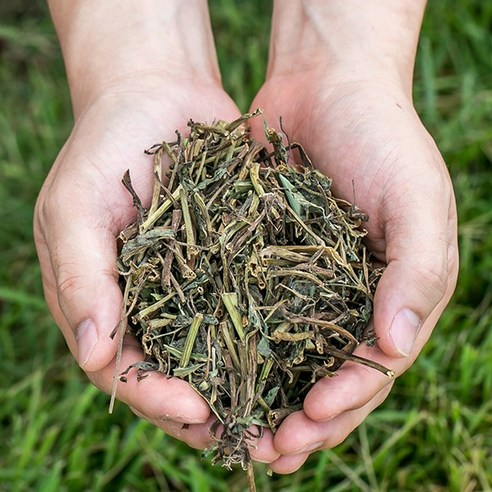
x: 421, y: 255
x: 289, y: 464
x: 260, y: 443
x: 298, y: 434
x: 77, y: 251
x: 353, y: 386
x: 156, y: 396
x: 172, y: 405
x: 77, y: 221
x: 196, y: 436
x: 263, y: 449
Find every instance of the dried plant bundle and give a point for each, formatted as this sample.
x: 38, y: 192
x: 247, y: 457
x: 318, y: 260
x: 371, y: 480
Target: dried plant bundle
x: 245, y: 277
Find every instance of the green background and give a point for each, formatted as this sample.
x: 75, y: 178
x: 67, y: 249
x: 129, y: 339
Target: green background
x: 434, y: 432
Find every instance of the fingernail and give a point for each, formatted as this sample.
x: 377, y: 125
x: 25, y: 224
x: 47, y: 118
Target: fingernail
x: 86, y: 335
x: 404, y: 330
x: 311, y: 447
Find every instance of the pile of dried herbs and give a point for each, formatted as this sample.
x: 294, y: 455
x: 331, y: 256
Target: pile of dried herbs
x: 246, y: 277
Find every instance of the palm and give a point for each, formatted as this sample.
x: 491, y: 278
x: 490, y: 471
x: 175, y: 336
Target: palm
x: 355, y: 134
x: 110, y: 139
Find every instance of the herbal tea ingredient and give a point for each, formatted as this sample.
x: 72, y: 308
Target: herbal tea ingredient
x: 246, y: 277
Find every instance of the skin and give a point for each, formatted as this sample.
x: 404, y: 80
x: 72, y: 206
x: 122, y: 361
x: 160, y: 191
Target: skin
x: 357, y: 122
x: 340, y: 76
x: 124, y: 101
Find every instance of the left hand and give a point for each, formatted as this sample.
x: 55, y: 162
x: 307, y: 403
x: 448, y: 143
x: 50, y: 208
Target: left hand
x: 365, y: 134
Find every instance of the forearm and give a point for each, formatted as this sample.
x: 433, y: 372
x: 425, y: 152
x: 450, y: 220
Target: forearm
x: 362, y: 34
x: 134, y: 43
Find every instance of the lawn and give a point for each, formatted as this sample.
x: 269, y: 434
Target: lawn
x: 434, y: 432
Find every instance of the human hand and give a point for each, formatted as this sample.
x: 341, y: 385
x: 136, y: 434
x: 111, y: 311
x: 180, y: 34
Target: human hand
x: 358, y: 125
x: 83, y: 206
x: 80, y: 211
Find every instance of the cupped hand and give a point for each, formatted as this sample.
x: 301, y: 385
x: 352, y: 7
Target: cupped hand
x: 363, y: 132
x: 81, y: 209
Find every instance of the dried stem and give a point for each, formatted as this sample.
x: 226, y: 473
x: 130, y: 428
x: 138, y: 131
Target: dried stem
x: 246, y: 277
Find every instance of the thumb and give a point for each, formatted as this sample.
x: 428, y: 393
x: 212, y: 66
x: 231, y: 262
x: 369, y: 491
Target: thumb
x: 81, y: 286
x: 421, y: 256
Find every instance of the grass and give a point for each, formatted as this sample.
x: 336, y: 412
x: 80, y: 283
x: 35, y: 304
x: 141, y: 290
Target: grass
x: 434, y: 431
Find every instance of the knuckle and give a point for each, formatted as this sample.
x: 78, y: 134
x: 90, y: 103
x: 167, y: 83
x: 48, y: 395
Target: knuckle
x: 437, y: 268
x: 47, y: 210
x: 431, y: 279
x: 41, y: 214
x: 453, y: 262
x: 433, y: 275
x: 46, y: 203
x: 68, y: 284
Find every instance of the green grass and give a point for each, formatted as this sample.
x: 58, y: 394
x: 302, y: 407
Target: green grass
x: 434, y: 433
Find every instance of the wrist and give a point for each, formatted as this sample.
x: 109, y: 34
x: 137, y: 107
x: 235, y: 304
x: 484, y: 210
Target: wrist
x: 134, y: 46
x: 357, y: 38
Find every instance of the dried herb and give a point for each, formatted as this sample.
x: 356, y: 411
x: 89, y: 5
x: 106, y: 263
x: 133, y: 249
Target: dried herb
x: 246, y: 277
